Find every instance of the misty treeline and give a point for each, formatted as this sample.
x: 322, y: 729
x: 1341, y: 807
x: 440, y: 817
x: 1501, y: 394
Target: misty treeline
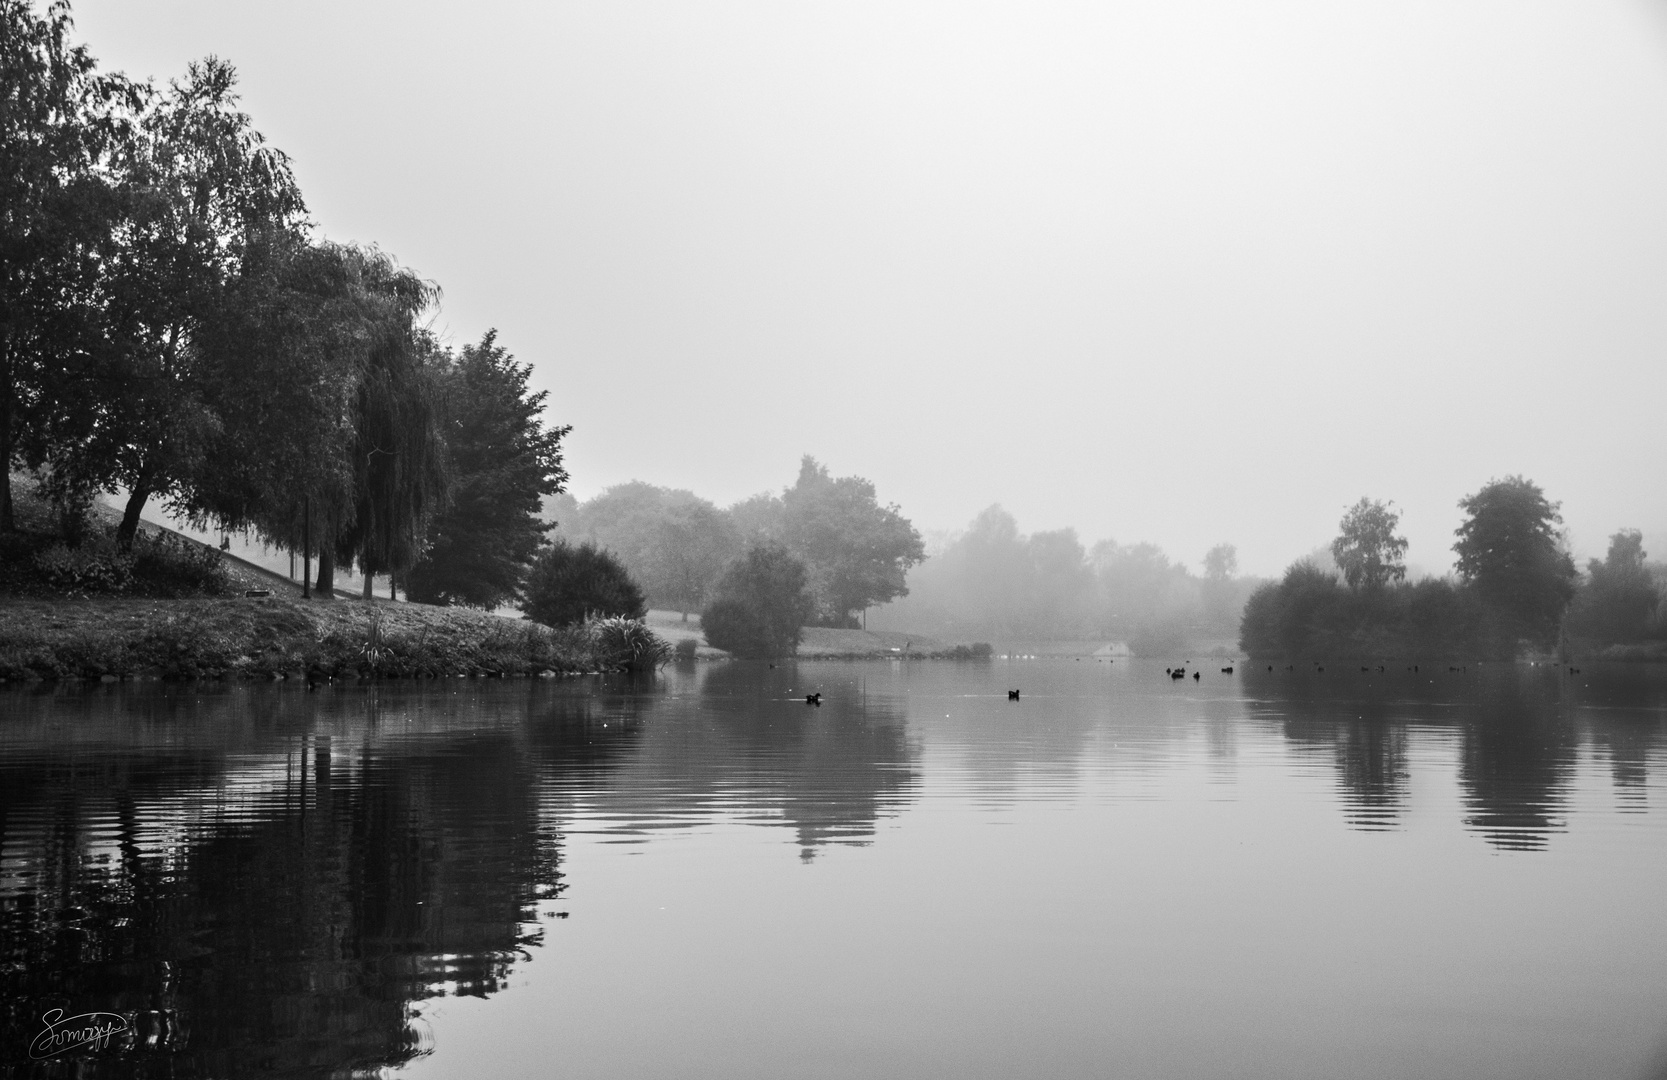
x: 1517, y: 591
x: 171, y: 327
x: 852, y: 551
x: 992, y: 581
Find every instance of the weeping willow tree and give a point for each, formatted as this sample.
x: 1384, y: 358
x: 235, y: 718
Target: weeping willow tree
x: 399, y: 460
x: 332, y: 445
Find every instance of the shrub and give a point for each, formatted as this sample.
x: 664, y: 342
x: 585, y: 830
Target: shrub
x: 87, y: 568
x: 760, y: 606
x: 629, y: 645
x: 168, y: 565
x: 1310, y: 615
x: 573, y: 583
x: 685, y: 650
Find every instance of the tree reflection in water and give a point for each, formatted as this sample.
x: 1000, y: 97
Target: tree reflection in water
x: 1519, y: 730
x: 265, y: 880
x: 268, y: 881
x: 739, y: 740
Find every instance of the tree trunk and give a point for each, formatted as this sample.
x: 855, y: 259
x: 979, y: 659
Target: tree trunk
x: 327, y: 559
x: 326, y: 571
x: 307, y: 549
x: 7, y: 404
x: 129, y: 527
x: 370, y: 580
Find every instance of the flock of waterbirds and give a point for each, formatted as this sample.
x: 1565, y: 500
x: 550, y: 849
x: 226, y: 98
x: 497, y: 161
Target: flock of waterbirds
x: 1177, y: 673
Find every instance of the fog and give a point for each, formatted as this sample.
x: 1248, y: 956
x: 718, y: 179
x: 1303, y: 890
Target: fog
x: 1184, y: 273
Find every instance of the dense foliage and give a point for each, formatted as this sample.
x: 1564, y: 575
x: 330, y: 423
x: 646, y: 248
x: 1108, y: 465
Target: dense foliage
x: 673, y: 542
x: 574, y: 583
x: 1515, y: 583
x: 760, y: 605
x: 1312, y: 615
x: 1367, y: 550
x: 1510, y: 550
x: 502, y: 462
x: 856, y: 552
x: 170, y: 327
x: 1621, y: 602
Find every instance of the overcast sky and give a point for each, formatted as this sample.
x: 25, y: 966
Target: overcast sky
x: 1186, y: 272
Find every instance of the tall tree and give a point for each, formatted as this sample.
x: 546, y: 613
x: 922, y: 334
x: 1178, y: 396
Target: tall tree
x: 199, y: 188
x: 1619, y: 597
x: 1221, y: 563
x: 1367, y: 550
x: 858, y: 552
x: 60, y: 121
x: 503, y: 461
x: 674, y: 542
x: 694, y: 542
x: 331, y: 442
x: 1510, y: 550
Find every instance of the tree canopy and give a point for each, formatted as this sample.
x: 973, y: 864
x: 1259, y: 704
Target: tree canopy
x: 1510, y: 549
x: 571, y: 583
x: 760, y: 605
x: 858, y: 552
x: 502, y: 463
x: 1367, y: 550
x: 170, y: 326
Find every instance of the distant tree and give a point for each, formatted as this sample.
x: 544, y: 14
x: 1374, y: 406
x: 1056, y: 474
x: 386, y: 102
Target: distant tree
x: 1224, y: 598
x: 757, y: 519
x: 1145, y: 598
x: 1221, y: 562
x: 1619, y: 597
x: 624, y: 520
x: 858, y: 552
x: 502, y: 462
x: 1367, y: 551
x: 760, y: 604
x: 1509, y: 549
x: 572, y: 583
x: 695, y: 541
x: 1060, y: 583
x: 672, y: 541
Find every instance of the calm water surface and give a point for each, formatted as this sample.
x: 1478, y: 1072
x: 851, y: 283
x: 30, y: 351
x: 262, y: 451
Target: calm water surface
x: 1264, y: 874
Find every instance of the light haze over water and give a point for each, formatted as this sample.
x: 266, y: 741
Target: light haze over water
x: 1264, y: 874
x: 1179, y: 272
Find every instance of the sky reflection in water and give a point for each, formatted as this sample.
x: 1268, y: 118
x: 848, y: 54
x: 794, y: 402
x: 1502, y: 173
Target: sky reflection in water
x: 1263, y: 874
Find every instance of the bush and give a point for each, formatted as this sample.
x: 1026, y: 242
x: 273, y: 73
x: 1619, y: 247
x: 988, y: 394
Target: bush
x: 574, y: 583
x: 629, y: 645
x: 685, y: 650
x: 160, y: 565
x: 168, y: 565
x: 1310, y: 615
x: 760, y: 606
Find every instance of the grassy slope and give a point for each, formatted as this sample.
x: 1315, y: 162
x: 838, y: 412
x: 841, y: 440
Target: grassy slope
x: 816, y: 642
x: 270, y: 638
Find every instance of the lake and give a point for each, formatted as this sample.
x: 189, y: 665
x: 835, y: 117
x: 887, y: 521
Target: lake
x: 1259, y: 874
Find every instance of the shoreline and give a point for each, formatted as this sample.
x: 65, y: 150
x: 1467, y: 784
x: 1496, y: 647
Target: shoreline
x: 118, y: 639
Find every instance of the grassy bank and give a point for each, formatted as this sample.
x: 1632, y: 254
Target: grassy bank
x: 277, y: 637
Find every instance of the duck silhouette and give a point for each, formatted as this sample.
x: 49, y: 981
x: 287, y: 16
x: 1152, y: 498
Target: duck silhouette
x: 1012, y: 695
